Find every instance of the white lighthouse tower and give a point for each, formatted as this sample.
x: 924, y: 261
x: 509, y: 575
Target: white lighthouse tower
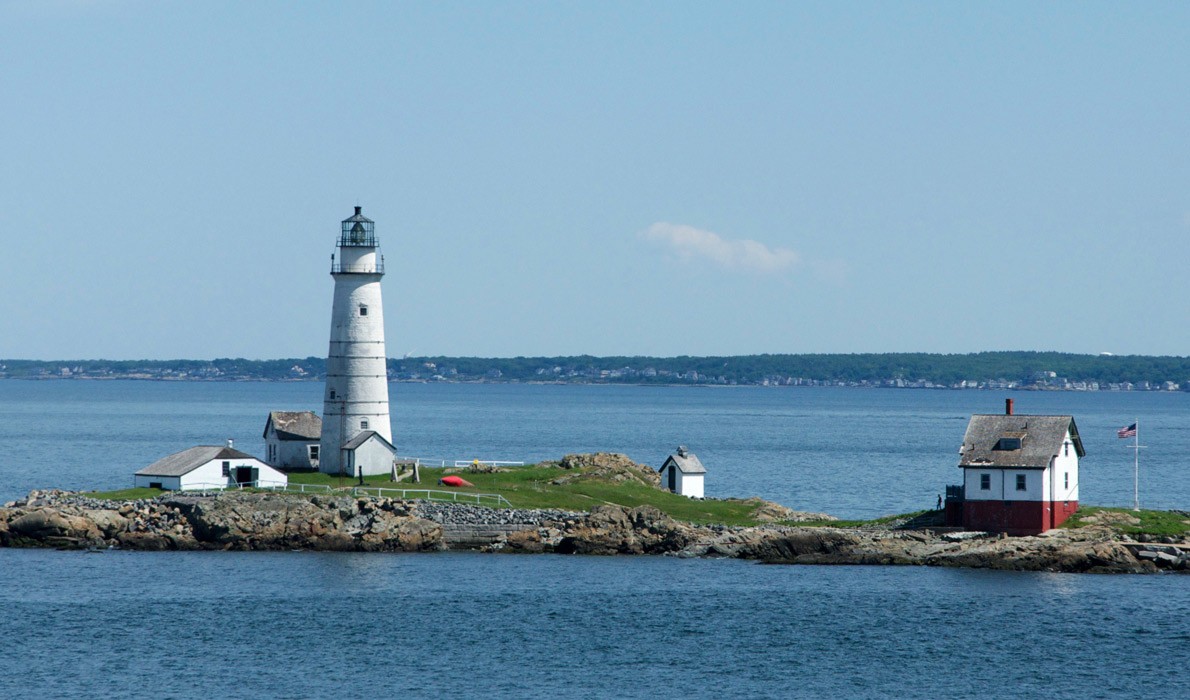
x: 356, y: 435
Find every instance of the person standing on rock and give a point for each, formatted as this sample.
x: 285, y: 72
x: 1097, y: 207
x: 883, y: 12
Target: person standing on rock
x: 939, y: 507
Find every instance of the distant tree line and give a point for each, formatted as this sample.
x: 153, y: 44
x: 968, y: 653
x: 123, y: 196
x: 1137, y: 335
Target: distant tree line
x: 989, y: 369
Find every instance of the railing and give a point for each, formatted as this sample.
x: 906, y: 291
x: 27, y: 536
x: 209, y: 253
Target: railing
x: 376, y: 268
x: 266, y: 485
x: 492, y: 499
x: 459, y: 463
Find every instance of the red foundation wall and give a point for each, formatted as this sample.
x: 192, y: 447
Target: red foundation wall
x: 1016, y: 517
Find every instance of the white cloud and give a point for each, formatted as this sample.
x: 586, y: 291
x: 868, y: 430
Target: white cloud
x: 690, y: 243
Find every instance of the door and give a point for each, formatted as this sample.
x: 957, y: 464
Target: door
x: 244, y: 475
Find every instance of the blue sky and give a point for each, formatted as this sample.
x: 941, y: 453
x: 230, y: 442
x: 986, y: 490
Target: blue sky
x: 610, y: 178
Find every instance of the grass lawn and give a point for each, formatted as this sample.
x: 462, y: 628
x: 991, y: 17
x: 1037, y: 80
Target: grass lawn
x: 531, y: 487
x: 124, y: 494
x: 1152, y: 522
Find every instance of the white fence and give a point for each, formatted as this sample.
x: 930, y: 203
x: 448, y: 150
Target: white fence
x: 442, y: 463
x: 479, y: 499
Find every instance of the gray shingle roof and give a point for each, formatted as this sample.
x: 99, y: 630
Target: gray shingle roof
x: 364, y: 437
x: 186, y: 461
x: 294, y: 425
x: 686, y: 462
x: 1041, y: 437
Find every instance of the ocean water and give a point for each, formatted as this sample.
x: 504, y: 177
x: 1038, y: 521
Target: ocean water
x: 310, y: 625
x: 856, y: 453
x: 202, y: 625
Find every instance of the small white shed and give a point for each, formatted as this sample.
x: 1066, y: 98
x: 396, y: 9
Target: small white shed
x: 368, y: 454
x: 683, y: 473
x: 208, y: 466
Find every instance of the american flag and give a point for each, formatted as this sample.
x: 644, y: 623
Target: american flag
x: 1127, y: 432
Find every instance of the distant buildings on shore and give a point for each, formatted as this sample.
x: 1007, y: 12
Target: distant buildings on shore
x: 311, y: 370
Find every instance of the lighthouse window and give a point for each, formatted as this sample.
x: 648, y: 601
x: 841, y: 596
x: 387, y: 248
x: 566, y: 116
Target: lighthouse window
x: 332, y: 393
x: 985, y: 482
x: 1020, y: 482
x: 363, y: 425
x: 1066, y: 479
x: 363, y: 311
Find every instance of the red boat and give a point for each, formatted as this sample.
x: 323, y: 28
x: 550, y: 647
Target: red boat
x: 454, y: 481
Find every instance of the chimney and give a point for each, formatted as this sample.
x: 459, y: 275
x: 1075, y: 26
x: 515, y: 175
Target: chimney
x: 358, y: 210
x: 1008, y: 407
x: 231, y: 443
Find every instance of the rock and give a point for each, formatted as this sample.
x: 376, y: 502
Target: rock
x: 769, y: 512
x: 804, y: 545
x: 49, y: 523
x: 608, y: 466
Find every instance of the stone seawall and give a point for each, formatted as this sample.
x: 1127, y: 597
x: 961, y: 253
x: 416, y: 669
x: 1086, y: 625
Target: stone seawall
x: 248, y: 521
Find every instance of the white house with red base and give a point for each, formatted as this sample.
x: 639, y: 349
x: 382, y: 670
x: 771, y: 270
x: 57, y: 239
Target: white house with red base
x: 1020, y: 473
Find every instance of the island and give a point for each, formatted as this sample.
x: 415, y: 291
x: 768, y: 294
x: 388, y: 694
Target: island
x: 595, y: 504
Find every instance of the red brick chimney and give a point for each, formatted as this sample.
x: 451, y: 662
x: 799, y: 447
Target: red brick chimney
x: 1008, y: 407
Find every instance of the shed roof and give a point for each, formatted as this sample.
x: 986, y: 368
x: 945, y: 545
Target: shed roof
x: 1041, y: 438
x: 364, y: 437
x: 686, y: 462
x: 294, y: 425
x: 186, y: 461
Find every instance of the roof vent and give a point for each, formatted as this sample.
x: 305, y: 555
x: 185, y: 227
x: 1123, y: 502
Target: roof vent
x: 681, y: 450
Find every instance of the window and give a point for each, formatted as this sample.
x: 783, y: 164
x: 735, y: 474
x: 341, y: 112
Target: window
x: 985, y: 482
x: 1020, y: 482
x: 1066, y: 480
x: 227, y: 469
x: 363, y: 310
x: 363, y: 425
x: 1009, y: 443
x: 313, y: 452
x: 1066, y: 449
x: 332, y: 394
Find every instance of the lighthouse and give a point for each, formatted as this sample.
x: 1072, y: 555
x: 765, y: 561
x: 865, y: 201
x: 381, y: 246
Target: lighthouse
x: 356, y: 435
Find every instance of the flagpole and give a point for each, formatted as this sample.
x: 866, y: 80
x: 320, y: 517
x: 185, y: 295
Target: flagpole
x: 1136, y: 468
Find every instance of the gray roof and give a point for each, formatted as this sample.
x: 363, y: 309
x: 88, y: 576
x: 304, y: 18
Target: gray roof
x: 358, y: 217
x: 294, y: 425
x: 364, y: 437
x: 686, y: 462
x: 1041, y: 437
x: 186, y: 461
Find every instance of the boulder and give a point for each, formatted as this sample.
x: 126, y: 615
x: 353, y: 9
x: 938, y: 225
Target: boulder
x: 608, y: 466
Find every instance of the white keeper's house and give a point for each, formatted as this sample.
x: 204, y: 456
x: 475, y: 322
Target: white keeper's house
x: 291, y: 440
x: 1020, y: 473
x: 207, y: 467
x: 683, y: 473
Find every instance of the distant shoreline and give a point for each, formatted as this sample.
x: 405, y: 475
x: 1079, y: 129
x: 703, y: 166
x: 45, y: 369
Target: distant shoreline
x: 1000, y: 371
x: 507, y: 382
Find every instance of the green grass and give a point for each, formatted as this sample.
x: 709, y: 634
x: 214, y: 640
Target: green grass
x: 125, y: 494
x: 1160, y: 523
x: 530, y: 487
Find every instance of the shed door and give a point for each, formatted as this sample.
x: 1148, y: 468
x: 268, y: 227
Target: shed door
x: 673, y: 479
x: 244, y: 475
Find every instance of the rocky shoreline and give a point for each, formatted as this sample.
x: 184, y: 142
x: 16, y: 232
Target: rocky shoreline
x: 248, y: 521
